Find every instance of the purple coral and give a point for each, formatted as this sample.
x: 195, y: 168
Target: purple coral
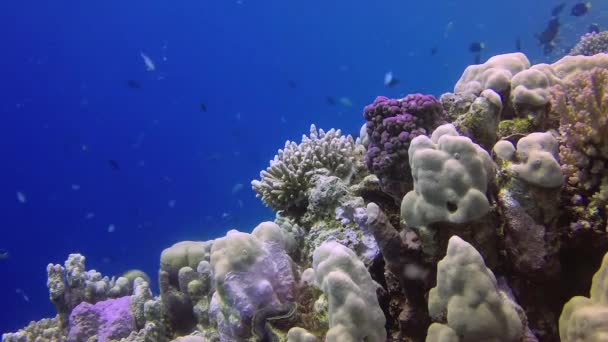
x: 391, y: 126
x: 108, y: 320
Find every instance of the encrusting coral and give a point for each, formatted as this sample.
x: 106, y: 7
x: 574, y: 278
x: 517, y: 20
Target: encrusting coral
x: 391, y: 125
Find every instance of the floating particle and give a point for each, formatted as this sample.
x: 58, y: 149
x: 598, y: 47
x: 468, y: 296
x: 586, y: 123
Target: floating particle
x: 225, y: 215
x: 237, y: 187
x: 89, y: 215
x: 4, y: 254
x: 346, y: 102
x: 23, y: 295
x: 75, y: 187
x: 150, y: 66
x: 111, y: 228
x: 21, y: 197
x: 171, y: 203
x: 390, y: 80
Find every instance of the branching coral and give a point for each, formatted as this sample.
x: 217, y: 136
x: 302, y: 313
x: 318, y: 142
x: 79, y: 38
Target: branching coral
x: 582, y: 106
x: 591, y: 43
x: 284, y: 183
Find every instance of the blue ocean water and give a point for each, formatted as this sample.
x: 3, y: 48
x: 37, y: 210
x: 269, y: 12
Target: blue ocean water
x: 262, y: 70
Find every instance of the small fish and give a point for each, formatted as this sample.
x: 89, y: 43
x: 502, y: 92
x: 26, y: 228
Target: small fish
x: 23, y: 295
x: 114, y: 164
x: 150, y: 66
x: 593, y: 28
x: 390, y: 80
x: 292, y: 84
x: 580, y: 9
x: 477, y: 47
x: 550, y: 32
x: 434, y: 50
x: 111, y: 228
x: 330, y: 100
x: 558, y: 9
x: 133, y: 84
x: 346, y: 102
x: 225, y: 215
x: 203, y: 107
x: 518, y: 44
x: 172, y: 203
x: 89, y: 215
x: 75, y: 187
x: 4, y: 254
x: 237, y: 187
x: 477, y: 59
x: 21, y: 197
x: 448, y: 28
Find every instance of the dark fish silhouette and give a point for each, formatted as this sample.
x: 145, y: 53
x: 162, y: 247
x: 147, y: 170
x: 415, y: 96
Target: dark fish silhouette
x: 558, y: 9
x: 133, y: 84
x: 580, y: 9
x: 203, y: 107
x: 292, y: 84
x: 114, y: 164
x: 517, y: 44
x: 548, y: 35
x: 434, y: 50
x: 476, y: 47
x: 593, y: 28
x: 330, y: 100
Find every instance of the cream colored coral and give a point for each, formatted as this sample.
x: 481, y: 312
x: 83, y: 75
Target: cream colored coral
x: 586, y: 319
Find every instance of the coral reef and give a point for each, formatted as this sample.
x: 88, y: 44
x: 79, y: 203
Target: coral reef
x: 411, y: 231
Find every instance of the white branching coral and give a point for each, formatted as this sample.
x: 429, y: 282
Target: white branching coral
x: 284, y: 183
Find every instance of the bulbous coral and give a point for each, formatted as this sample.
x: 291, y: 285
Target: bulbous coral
x: 582, y: 106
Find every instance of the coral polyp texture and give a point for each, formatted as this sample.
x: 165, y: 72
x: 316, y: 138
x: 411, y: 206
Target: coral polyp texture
x: 391, y: 125
x: 582, y: 106
x: 284, y: 183
x: 472, y: 218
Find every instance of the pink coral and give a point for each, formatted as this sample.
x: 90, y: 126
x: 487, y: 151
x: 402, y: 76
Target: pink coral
x: 582, y: 107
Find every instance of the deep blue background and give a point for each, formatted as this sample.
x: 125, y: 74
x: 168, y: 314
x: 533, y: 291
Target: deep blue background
x: 63, y: 72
